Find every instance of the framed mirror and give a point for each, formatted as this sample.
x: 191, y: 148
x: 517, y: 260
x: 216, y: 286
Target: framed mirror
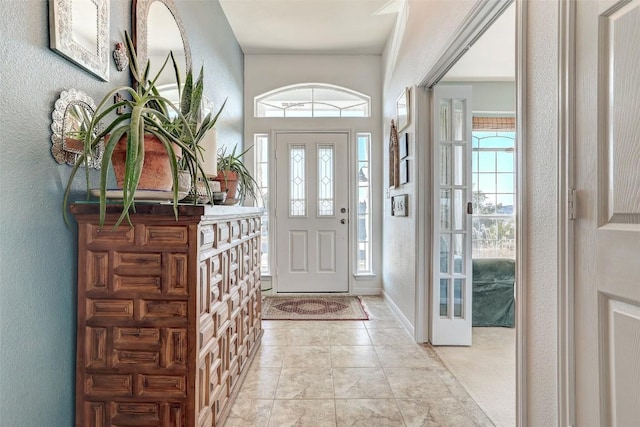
x: 158, y: 30
x: 79, y: 31
x: 71, y: 113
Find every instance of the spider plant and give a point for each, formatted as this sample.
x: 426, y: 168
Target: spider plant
x: 147, y: 112
x: 193, y: 128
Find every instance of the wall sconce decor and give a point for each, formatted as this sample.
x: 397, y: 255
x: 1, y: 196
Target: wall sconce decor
x: 79, y: 31
x: 120, y: 57
x: 69, y: 118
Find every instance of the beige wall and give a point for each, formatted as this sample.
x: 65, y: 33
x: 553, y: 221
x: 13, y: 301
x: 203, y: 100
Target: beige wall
x: 429, y: 26
x: 541, y: 170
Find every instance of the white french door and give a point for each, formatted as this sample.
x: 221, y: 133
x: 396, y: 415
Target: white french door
x: 311, y: 213
x: 452, y: 192
x: 607, y: 227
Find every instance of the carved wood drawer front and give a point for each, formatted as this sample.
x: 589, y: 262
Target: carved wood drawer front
x: 109, y: 309
x: 161, y: 386
x: 166, y: 235
x: 97, y: 272
x: 113, y: 413
x: 206, y: 335
x: 208, y: 237
x: 106, y: 234
x: 166, y: 312
x: 235, y: 230
x: 204, y: 283
x: 223, y: 234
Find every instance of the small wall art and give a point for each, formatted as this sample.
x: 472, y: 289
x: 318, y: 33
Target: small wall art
x: 404, y: 171
x: 404, y: 145
x: 399, y: 205
x: 403, y: 109
x: 79, y: 31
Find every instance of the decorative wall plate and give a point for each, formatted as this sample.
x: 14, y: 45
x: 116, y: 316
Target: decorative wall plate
x: 70, y: 110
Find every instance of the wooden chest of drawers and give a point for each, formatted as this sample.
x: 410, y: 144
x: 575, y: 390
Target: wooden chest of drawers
x: 169, y: 314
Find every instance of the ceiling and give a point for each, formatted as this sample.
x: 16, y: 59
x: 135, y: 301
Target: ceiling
x: 356, y: 27
x: 311, y: 26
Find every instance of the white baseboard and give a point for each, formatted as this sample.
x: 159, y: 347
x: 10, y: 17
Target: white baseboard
x: 403, y: 319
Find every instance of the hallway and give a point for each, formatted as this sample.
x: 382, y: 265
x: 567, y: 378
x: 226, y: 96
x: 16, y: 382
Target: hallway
x: 348, y: 373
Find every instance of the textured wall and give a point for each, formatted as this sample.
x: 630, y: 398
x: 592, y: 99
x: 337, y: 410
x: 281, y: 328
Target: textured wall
x: 429, y: 26
x: 37, y: 251
x: 541, y: 198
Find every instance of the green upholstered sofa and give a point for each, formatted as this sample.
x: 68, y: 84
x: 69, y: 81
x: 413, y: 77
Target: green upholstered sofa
x: 493, y: 292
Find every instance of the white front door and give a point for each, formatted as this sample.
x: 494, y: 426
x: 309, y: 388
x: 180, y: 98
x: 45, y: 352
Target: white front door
x: 312, y: 219
x: 451, y: 248
x: 607, y: 228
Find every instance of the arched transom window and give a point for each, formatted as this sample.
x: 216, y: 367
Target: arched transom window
x: 312, y: 100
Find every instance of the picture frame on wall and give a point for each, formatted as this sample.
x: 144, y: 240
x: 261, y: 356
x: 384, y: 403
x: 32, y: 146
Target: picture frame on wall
x: 399, y: 205
x: 403, y: 109
x: 404, y: 146
x: 79, y: 31
x: 404, y: 171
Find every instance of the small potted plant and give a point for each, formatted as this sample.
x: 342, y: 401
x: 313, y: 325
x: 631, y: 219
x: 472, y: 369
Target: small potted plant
x: 133, y: 139
x: 234, y: 177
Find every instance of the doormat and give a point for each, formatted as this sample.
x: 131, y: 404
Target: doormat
x: 313, y: 308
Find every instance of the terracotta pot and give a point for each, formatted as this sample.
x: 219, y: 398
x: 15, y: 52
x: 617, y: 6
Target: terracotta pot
x: 228, y: 182
x: 156, y: 170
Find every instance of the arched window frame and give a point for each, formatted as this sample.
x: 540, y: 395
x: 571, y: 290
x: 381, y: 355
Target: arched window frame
x: 359, y: 100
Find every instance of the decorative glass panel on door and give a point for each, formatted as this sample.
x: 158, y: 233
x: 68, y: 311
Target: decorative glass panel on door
x: 326, y: 181
x: 297, y: 181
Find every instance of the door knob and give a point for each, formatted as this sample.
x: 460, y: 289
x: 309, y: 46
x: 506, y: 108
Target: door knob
x: 343, y: 221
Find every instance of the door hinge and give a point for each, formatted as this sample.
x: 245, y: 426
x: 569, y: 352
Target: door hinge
x: 571, y: 204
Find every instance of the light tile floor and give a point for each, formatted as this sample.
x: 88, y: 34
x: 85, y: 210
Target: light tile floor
x: 350, y: 373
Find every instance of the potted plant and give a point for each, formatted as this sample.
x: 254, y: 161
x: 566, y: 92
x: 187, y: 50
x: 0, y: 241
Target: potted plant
x: 191, y: 129
x: 234, y: 177
x: 130, y: 137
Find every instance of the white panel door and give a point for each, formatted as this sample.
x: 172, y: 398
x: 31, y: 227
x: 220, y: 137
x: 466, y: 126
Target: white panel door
x: 607, y: 228
x: 451, y: 278
x: 312, y: 200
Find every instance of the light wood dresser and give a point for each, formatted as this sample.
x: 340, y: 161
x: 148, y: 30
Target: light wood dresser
x: 169, y: 314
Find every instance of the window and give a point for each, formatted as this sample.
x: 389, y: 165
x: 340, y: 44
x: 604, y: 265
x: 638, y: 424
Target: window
x: 261, y: 142
x: 312, y: 100
x: 493, y: 193
x: 364, y: 204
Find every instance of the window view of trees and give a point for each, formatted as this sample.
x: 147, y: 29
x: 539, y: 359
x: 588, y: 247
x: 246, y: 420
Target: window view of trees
x: 493, y: 195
